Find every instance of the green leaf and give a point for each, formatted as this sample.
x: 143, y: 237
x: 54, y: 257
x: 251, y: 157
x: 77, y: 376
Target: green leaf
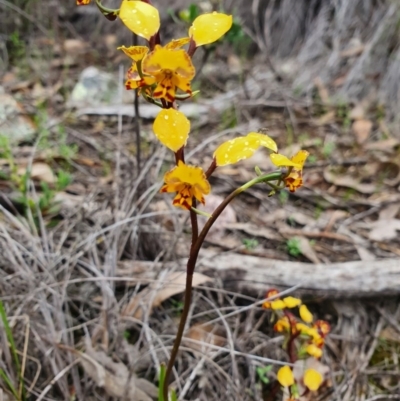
x: 161, y: 380
x: 63, y: 180
x: 262, y: 372
x: 9, y: 335
x: 194, y: 12
x: 8, y: 382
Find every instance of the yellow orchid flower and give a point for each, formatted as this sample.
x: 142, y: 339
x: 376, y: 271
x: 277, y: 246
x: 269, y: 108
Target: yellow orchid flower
x: 287, y: 302
x: 291, y: 302
x: 303, y: 328
x: 312, y: 379
x: 177, y: 43
x: 294, y: 179
x: 172, y: 68
x: 314, y: 350
x: 188, y: 182
x: 134, y: 79
x: 141, y: 18
x: 312, y: 332
x: 241, y: 148
x: 285, y: 376
x: 282, y: 324
x: 269, y: 294
x: 278, y: 304
x: 208, y: 28
x: 136, y: 53
x: 172, y: 128
x: 82, y: 2
x: 323, y: 327
x: 305, y: 314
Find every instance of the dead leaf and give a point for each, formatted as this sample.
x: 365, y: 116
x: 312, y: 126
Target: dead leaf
x: 322, y: 90
x: 325, y: 119
x: 115, y: 378
x: 69, y: 201
x: 386, y: 227
x: 301, y: 218
x: 362, y: 130
x: 306, y: 249
x: 40, y: 172
x: 74, y: 47
x: 390, y: 334
x: 353, y: 51
x: 364, y: 253
x: 255, y: 231
x: 391, y: 172
x: 386, y: 145
x: 334, y: 216
x: 348, y: 182
x: 357, y: 113
x: 389, y: 212
x: 157, y: 292
x: 202, y: 334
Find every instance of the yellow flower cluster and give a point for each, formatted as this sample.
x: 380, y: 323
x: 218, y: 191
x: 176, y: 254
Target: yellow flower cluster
x: 306, y: 337
x: 163, y: 75
x: 161, y: 70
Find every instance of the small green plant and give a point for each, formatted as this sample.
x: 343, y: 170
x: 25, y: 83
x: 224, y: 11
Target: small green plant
x: 250, y: 243
x: 303, y: 138
x: 263, y: 372
x: 312, y: 159
x: 53, y: 140
x: 229, y: 118
x: 161, y: 380
x: 343, y: 113
x: 188, y: 15
x: 283, y: 197
x: 177, y: 305
x: 349, y: 194
x: 328, y: 149
x: 17, y: 389
x: 20, y: 182
x: 293, y: 247
x: 318, y: 211
x: 17, y: 46
x: 238, y: 38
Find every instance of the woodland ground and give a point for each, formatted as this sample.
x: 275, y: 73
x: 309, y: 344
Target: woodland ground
x: 87, y: 242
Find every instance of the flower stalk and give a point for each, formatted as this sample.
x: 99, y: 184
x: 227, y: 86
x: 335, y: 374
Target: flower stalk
x: 197, y: 242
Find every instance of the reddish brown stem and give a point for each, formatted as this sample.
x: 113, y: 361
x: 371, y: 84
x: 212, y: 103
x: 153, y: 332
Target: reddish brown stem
x: 294, y: 333
x: 211, y: 169
x: 180, y: 155
x: 192, y: 48
x: 191, y: 264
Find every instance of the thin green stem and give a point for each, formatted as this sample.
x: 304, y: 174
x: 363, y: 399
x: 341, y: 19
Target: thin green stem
x: 191, y: 264
x: 201, y: 212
